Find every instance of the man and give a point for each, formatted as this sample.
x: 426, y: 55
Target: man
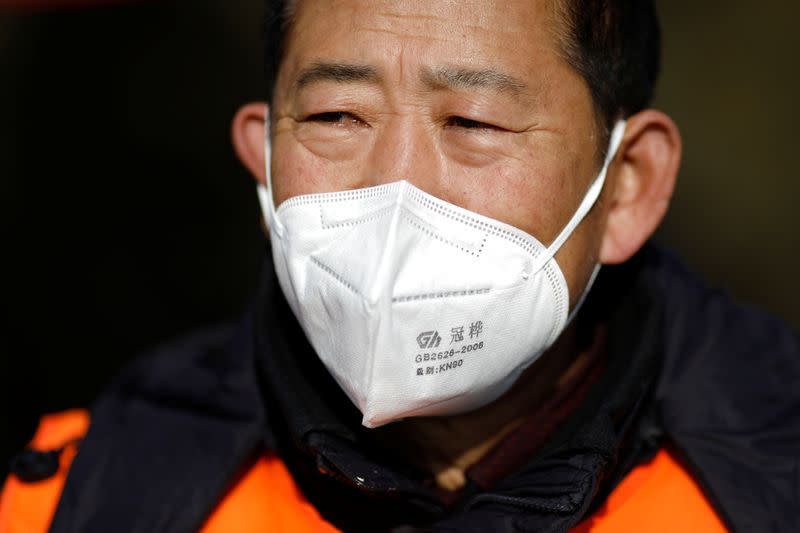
x: 441, y: 181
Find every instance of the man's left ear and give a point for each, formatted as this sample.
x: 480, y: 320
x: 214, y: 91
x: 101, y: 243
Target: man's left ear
x: 642, y: 183
x: 247, y: 135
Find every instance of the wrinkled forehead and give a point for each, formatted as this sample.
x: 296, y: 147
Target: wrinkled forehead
x: 517, y: 34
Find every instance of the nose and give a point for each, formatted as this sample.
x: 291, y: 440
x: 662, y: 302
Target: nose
x: 405, y: 149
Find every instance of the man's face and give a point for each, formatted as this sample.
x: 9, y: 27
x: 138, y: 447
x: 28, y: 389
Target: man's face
x: 470, y: 101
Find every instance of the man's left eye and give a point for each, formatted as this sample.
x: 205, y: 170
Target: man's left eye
x: 470, y: 124
x: 340, y: 118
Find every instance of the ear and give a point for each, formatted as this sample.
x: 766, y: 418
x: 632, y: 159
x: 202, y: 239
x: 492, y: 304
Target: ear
x: 247, y: 133
x: 646, y: 168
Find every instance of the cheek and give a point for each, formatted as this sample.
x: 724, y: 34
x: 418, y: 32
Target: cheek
x: 540, y: 195
x: 528, y: 194
x: 295, y: 172
x: 299, y: 170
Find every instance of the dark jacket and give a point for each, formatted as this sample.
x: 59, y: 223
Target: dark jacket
x: 686, y: 368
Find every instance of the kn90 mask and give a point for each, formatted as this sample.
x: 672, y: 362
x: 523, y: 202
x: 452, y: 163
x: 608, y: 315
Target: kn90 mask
x: 417, y: 306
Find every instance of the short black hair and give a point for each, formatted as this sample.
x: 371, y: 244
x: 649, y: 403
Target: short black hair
x: 615, y: 45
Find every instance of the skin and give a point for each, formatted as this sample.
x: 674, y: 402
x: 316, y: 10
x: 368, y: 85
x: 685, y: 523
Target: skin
x: 472, y: 102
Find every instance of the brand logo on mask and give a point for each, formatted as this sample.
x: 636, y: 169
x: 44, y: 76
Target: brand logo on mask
x: 429, y: 339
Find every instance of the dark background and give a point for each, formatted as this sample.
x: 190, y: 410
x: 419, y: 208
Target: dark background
x: 126, y: 220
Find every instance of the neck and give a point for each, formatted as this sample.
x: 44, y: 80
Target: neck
x: 447, y: 446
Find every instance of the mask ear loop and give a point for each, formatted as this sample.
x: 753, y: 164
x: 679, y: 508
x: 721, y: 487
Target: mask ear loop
x: 265, y: 197
x: 583, y: 209
x: 588, y: 201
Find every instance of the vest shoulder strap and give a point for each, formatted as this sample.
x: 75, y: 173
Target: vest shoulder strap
x: 264, y: 499
x: 656, y: 497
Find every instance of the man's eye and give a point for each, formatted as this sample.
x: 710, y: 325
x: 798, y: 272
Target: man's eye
x: 334, y: 117
x: 470, y: 124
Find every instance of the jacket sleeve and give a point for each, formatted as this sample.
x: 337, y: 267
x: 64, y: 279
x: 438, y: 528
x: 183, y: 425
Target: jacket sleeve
x: 28, y: 506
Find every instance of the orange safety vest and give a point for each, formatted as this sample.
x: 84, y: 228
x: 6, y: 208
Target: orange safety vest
x: 657, y: 497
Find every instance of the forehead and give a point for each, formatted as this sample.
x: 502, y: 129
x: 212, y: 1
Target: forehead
x: 517, y: 35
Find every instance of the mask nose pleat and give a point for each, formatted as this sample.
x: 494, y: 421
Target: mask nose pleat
x: 389, y: 255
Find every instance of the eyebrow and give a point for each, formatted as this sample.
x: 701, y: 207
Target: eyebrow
x: 441, y: 78
x: 337, y: 72
x: 466, y: 78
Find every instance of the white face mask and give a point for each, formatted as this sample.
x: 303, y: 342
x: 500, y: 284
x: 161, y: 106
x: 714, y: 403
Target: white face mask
x: 418, y: 307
